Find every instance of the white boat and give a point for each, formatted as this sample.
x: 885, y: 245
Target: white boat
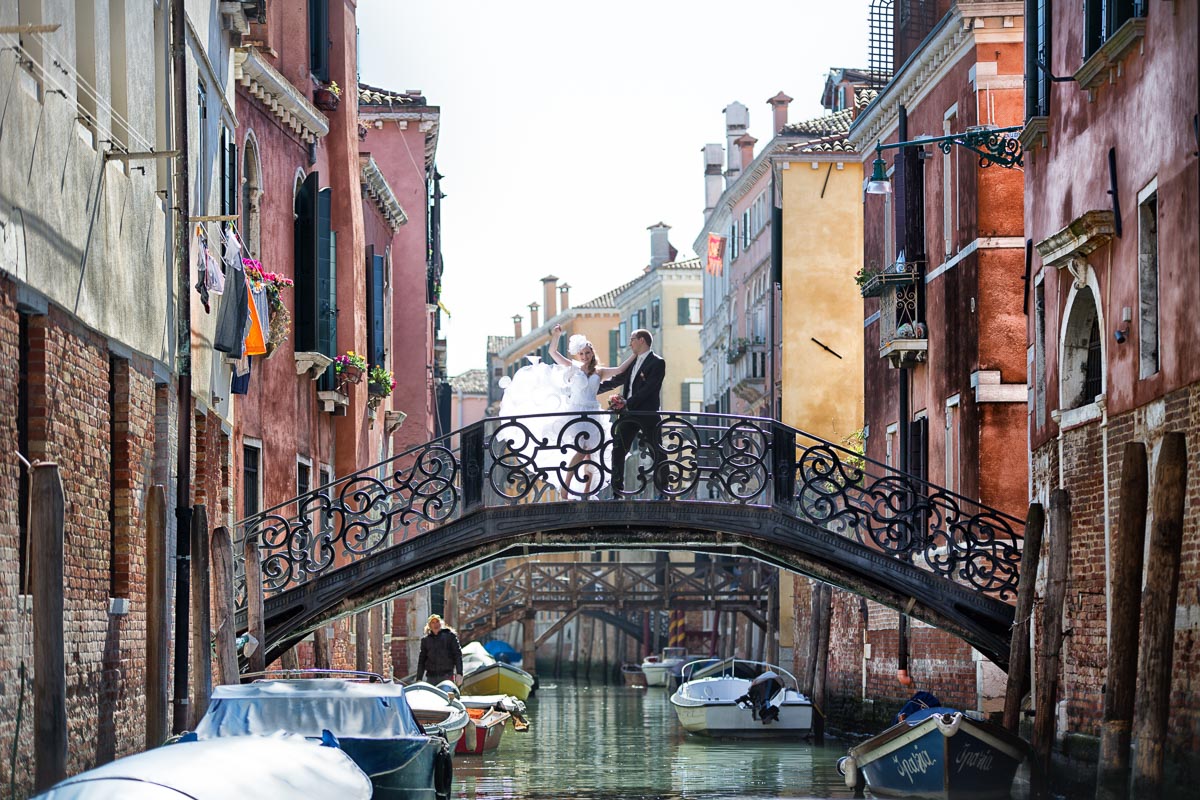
x: 659, y: 669
x: 438, y: 712
x: 740, y: 698
x: 277, y: 767
x: 483, y: 674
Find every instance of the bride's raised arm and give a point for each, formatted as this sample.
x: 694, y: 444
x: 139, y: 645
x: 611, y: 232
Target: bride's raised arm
x: 559, y: 358
x: 607, y: 372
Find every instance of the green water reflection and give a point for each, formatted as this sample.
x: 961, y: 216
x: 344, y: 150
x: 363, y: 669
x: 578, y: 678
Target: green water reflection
x: 612, y: 742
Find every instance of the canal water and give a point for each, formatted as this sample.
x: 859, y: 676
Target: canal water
x: 588, y: 742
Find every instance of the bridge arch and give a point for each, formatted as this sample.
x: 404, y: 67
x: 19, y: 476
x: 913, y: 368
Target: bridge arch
x: 726, y: 485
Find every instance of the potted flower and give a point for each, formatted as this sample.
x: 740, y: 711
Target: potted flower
x: 349, y: 367
x: 328, y: 96
x: 380, y: 384
x: 280, y: 324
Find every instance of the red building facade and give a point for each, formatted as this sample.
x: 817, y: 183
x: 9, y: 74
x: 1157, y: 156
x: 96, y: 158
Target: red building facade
x: 1111, y: 204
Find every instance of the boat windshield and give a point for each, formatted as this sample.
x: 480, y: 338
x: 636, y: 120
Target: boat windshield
x: 735, y: 668
x: 307, y: 707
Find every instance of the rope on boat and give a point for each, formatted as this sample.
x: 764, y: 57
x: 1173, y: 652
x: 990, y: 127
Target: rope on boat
x: 948, y: 724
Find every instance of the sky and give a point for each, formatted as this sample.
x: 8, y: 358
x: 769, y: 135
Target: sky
x: 566, y: 130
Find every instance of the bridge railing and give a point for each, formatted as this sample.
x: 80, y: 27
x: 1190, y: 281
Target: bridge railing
x: 708, y: 458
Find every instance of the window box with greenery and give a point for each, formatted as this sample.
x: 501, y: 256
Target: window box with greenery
x: 280, y: 326
x: 327, y: 97
x: 349, y: 368
x: 380, y: 384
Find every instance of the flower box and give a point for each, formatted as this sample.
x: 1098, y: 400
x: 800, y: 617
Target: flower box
x: 325, y: 99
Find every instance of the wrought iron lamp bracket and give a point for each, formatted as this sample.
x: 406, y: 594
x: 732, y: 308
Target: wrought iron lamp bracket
x: 992, y: 145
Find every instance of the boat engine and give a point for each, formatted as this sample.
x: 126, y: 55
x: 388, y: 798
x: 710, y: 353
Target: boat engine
x: 758, y: 697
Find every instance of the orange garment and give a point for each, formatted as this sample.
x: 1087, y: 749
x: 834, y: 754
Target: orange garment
x: 256, y: 343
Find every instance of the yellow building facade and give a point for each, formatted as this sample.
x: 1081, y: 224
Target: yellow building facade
x: 822, y: 326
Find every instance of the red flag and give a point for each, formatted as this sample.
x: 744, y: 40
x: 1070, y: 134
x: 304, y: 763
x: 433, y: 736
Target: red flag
x: 716, y: 254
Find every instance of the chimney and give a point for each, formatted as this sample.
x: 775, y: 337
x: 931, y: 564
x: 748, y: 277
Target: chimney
x: 737, y: 122
x: 564, y: 298
x: 745, y: 145
x: 660, y: 247
x: 779, y: 107
x: 713, y: 156
x: 550, y: 296
x: 533, y: 319
x: 517, y: 326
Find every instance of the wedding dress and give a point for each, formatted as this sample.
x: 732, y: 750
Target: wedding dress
x: 559, y: 394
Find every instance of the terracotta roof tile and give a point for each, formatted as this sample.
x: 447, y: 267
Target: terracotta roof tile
x: 473, y: 381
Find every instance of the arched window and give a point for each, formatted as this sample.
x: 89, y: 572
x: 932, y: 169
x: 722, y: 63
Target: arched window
x: 1081, y: 372
x: 251, y: 198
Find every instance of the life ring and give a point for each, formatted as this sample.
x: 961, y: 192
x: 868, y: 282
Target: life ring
x: 948, y: 724
x: 849, y: 769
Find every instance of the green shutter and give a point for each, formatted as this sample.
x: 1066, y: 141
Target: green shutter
x: 376, y: 353
x: 684, y: 312
x: 326, y: 321
x: 614, y: 347
x: 305, y: 241
x: 685, y: 396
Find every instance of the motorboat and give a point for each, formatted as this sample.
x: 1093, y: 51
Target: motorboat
x: 936, y: 752
x: 488, y: 715
x: 502, y: 702
x: 658, y: 669
x: 729, y: 702
x: 371, y: 721
x: 633, y: 676
x: 438, y: 712
x: 277, y: 767
x: 483, y: 674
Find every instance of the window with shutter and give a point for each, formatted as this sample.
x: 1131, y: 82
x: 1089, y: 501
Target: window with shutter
x: 614, y: 347
x: 318, y: 39
x: 229, y: 171
x: 376, y: 352
x: 305, y: 241
x: 684, y: 309
x: 685, y: 396
x: 623, y: 334
x: 655, y: 314
x: 326, y: 320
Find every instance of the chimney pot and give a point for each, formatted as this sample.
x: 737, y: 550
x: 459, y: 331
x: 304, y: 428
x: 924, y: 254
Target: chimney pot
x: 533, y: 317
x: 660, y: 245
x: 714, y: 154
x: 517, y: 320
x: 564, y: 298
x: 779, y: 108
x: 550, y: 296
x: 745, y: 144
x: 737, y: 122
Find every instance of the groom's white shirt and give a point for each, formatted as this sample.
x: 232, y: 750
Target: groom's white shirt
x: 637, y: 365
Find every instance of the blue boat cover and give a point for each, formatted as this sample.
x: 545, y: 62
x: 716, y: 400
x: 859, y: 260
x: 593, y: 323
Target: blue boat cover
x: 917, y: 717
x: 502, y: 651
x: 309, y: 706
x: 261, y: 767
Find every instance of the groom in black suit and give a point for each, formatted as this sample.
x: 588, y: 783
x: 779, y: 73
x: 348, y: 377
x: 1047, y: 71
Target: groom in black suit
x: 637, y: 405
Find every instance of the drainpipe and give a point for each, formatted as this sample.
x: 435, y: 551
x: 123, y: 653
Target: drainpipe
x: 776, y: 283
x: 183, y: 360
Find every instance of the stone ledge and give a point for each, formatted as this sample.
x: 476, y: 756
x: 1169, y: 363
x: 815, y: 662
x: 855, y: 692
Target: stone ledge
x: 316, y: 363
x: 1093, y: 72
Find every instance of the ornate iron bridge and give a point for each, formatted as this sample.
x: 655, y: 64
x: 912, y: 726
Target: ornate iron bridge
x: 703, y: 482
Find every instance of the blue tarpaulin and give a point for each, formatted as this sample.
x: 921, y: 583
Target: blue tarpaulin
x: 502, y: 651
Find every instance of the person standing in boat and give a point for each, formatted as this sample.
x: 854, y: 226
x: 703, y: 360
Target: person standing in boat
x: 441, y: 654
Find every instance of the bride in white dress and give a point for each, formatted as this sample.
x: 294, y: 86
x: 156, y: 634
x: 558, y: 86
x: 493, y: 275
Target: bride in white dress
x: 570, y: 385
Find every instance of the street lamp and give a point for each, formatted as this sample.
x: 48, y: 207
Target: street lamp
x: 992, y: 145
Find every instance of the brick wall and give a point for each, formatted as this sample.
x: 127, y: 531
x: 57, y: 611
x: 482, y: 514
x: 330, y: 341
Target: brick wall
x: 71, y: 422
x: 1085, y: 650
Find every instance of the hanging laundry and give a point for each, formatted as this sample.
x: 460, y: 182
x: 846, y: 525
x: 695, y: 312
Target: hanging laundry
x: 233, y: 249
x: 240, y: 382
x: 234, y: 316
x: 214, y: 276
x: 201, y: 259
x: 256, y: 335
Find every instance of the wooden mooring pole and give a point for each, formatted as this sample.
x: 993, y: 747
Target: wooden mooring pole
x: 1112, y: 771
x: 1018, y: 653
x: 201, y: 617
x: 822, y: 659
x: 1050, y: 648
x: 46, y: 539
x: 226, y: 607
x: 362, y: 641
x: 1159, y: 600
x: 377, y: 640
x: 255, y: 621
x: 158, y: 623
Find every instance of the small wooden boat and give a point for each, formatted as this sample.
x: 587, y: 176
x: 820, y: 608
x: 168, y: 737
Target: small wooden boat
x: 483, y: 674
x: 501, y: 702
x: 633, y: 676
x: 484, y: 732
x: 372, y: 722
x: 276, y: 767
x: 743, y: 699
x: 936, y: 753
